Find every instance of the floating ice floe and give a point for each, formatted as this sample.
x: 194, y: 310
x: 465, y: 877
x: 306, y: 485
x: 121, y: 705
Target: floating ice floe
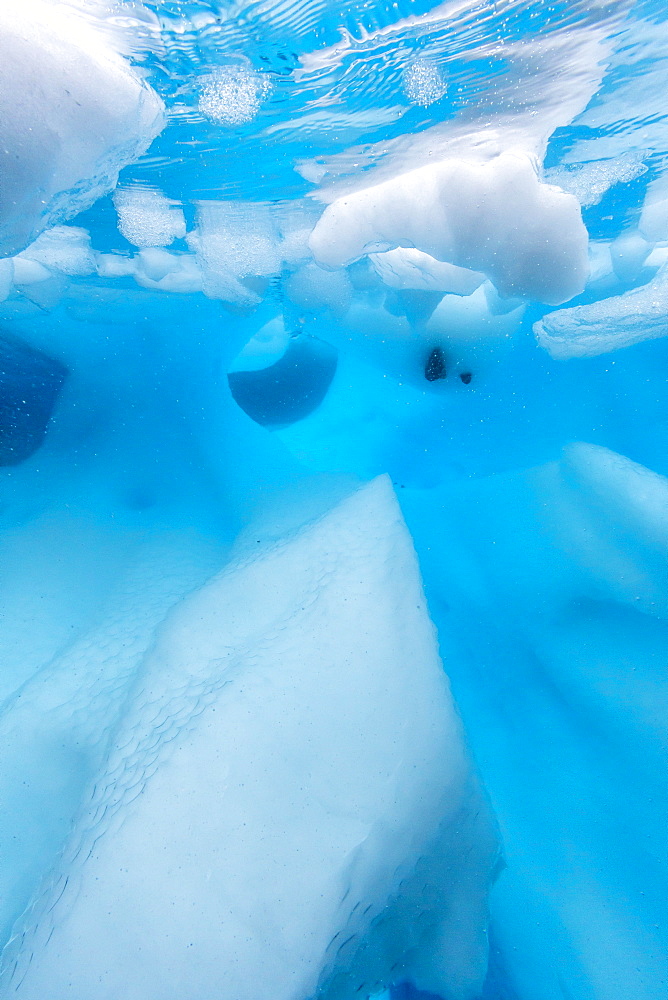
x: 494, y: 217
x: 287, y: 785
x: 63, y: 249
x: 609, y: 324
x: 74, y: 113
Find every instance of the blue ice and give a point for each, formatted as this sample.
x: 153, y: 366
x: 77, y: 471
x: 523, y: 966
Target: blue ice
x: 333, y: 500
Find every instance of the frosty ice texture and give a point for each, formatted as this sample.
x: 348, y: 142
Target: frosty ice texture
x: 493, y: 217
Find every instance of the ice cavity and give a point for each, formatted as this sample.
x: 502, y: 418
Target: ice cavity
x: 494, y: 217
x: 73, y: 113
x: 287, y: 786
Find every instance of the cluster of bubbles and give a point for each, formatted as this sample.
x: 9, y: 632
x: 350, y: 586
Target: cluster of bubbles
x: 424, y: 83
x: 232, y: 95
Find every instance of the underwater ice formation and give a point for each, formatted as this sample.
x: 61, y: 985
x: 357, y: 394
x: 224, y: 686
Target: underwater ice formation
x: 295, y: 870
x: 290, y: 388
x: 599, y: 327
x: 333, y: 493
x: 493, y: 217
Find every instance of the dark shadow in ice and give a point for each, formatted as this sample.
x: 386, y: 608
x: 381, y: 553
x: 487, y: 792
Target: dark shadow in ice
x: 30, y: 382
x: 290, y: 389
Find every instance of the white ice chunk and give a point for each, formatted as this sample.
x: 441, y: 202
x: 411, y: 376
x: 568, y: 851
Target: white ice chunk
x: 112, y: 265
x: 473, y: 318
x: 494, y: 217
x: 73, y: 113
x: 146, y: 218
x: 167, y: 272
x: 409, y: 268
x: 628, y: 254
x: 287, y: 790
x: 65, y: 249
x: 29, y: 272
x: 609, y: 324
x: 155, y: 269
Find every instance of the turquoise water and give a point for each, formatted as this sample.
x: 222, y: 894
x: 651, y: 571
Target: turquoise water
x: 333, y: 500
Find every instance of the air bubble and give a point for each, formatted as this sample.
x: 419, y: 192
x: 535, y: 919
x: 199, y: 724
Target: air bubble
x: 232, y: 95
x: 424, y: 83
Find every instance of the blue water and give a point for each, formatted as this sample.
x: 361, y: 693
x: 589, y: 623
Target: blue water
x: 239, y: 321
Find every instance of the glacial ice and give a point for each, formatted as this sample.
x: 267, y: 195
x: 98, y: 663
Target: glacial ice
x: 333, y: 492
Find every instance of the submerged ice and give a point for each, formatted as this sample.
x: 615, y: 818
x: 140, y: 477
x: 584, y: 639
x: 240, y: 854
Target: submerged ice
x: 333, y: 494
x: 282, y: 779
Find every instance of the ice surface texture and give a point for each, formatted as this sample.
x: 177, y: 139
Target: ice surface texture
x: 281, y: 794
